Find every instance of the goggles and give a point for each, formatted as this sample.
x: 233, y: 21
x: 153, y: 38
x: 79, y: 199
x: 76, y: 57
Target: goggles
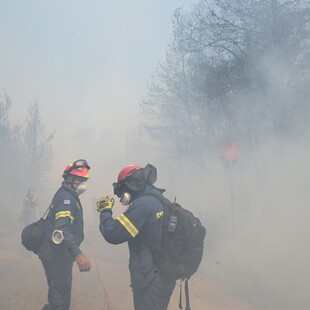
x: 78, y: 165
x: 119, y: 188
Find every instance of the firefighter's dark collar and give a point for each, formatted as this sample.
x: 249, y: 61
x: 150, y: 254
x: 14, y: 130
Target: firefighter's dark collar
x: 65, y: 186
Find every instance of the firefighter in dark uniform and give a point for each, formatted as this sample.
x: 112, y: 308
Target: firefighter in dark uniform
x: 140, y: 225
x: 60, y: 247
x: 30, y: 203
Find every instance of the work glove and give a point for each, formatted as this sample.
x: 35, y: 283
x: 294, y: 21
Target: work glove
x: 105, y: 204
x: 83, y: 262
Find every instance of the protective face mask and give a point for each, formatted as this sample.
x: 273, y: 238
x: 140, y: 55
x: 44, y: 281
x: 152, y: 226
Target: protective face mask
x: 125, y: 199
x: 81, y: 188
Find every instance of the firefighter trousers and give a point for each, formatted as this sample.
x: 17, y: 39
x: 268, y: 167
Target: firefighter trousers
x: 156, y: 295
x: 59, y: 280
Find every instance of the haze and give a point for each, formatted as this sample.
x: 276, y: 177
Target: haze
x: 88, y: 65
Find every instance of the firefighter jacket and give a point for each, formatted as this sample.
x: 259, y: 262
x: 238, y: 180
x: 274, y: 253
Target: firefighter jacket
x: 65, y: 214
x: 140, y: 225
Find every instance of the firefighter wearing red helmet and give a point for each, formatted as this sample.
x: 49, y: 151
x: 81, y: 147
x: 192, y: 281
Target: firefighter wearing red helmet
x: 61, y: 243
x: 140, y: 226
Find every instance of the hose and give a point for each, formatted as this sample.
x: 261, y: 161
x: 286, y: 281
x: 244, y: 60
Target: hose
x: 105, y: 292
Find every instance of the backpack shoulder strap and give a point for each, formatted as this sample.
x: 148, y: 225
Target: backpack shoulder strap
x: 156, y: 195
x: 187, y: 307
x: 43, y: 216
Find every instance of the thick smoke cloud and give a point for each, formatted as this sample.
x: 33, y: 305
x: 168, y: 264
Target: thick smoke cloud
x: 255, y: 209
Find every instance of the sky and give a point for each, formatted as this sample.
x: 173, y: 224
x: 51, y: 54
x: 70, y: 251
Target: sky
x: 87, y: 64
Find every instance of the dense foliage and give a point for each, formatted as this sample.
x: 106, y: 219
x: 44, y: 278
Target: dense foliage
x: 234, y: 71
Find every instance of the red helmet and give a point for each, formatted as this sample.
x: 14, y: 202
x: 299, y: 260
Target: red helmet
x: 128, y: 171
x: 79, y: 168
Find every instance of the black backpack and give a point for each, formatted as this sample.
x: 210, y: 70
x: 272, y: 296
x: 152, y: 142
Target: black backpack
x: 32, y: 234
x: 179, y: 250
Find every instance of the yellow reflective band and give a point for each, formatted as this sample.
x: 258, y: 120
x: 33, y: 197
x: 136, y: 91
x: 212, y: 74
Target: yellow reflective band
x: 64, y: 214
x: 127, y: 228
x: 128, y: 225
x: 124, y: 217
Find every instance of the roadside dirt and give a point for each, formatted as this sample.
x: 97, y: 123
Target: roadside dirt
x: 23, y: 285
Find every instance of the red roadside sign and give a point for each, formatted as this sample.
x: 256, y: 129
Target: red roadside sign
x: 230, y: 151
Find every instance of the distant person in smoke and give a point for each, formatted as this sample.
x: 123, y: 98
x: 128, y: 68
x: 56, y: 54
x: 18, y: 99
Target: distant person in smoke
x: 30, y: 202
x: 60, y: 247
x: 140, y: 226
x: 94, y: 207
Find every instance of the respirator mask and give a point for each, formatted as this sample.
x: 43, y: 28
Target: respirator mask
x: 82, y: 187
x: 125, y: 199
x: 121, y: 192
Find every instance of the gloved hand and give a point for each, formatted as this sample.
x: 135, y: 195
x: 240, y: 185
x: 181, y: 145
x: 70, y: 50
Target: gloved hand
x: 105, y: 204
x: 83, y: 262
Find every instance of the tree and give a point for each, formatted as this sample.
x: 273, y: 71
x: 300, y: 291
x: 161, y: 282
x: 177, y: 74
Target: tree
x: 37, y: 146
x: 25, y: 158
x: 230, y: 73
x: 6, y: 146
x: 5, y: 106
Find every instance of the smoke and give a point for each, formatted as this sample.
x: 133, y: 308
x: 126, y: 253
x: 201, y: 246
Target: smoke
x: 256, y: 214
x: 255, y: 209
